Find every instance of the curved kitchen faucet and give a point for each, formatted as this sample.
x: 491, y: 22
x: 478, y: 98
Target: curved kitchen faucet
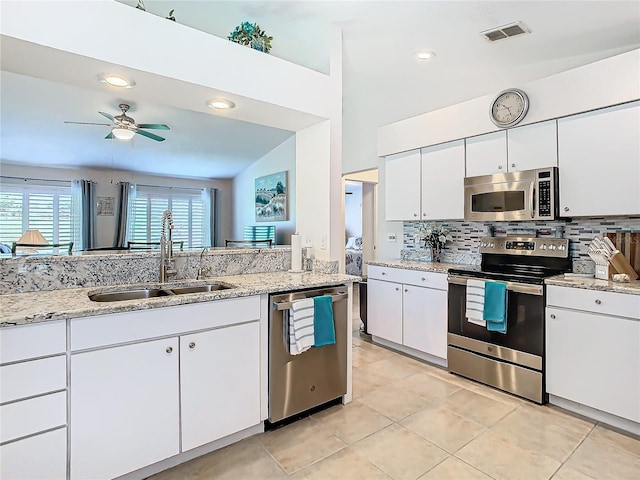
x: 167, y: 267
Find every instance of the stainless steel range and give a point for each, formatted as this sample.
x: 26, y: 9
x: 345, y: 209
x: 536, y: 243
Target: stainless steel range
x: 513, y: 361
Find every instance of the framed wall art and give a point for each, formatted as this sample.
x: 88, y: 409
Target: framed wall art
x: 271, y: 197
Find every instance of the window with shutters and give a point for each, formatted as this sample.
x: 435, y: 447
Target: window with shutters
x: 36, y: 207
x: 189, y: 209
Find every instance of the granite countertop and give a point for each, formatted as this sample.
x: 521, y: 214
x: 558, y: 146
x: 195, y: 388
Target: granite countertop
x: 436, y: 267
x: 632, y: 287
x: 35, y: 307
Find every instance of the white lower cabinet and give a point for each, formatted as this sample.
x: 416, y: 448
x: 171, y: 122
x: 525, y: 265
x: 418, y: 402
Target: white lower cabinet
x: 41, y: 457
x: 220, y: 383
x: 593, y: 358
x: 384, y: 307
x: 424, y: 315
x: 124, y: 408
x: 402, y: 311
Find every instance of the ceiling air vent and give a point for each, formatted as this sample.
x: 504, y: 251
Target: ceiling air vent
x: 505, y: 31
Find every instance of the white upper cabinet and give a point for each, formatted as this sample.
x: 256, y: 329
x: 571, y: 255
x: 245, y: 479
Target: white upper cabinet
x: 599, y: 162
x: 532, y: 146
x: 402, y: 186
x: 487, y: 154
x: 443, y: 181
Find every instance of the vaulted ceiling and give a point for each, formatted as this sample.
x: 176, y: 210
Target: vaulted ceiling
x: 383, y: 81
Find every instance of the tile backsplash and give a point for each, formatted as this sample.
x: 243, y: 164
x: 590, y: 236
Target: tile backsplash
x: 466, y: 235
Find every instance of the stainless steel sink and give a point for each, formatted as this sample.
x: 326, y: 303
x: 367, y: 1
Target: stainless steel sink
x: 130, y: 295
x: 119, y: 296
x: 211, y: 287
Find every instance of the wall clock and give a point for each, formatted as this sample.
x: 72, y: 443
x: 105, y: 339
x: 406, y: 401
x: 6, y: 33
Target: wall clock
x: 509, y: 107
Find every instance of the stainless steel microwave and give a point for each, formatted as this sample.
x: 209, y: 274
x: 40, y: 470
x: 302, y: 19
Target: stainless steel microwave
x: 525, y: 195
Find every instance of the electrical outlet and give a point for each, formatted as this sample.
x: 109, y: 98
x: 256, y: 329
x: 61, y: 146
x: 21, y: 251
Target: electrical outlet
x: 323, y: 242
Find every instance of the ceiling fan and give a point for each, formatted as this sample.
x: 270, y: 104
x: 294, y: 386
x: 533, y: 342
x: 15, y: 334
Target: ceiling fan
x: 125, y: 127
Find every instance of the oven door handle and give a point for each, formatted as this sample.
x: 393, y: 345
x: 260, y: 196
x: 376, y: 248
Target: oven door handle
x: 511, y: 286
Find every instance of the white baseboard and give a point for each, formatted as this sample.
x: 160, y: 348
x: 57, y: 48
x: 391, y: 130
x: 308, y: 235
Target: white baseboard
x: 595, y: 414
x: 440, y: 362
x: 191, y: 454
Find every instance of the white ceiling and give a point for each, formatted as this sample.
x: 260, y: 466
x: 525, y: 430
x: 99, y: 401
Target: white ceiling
x: 383, y: 82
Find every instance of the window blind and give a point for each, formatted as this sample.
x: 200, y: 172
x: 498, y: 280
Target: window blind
x: 36, y: 207
x: 146, y: 205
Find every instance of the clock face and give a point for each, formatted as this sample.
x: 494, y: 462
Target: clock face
x: 509, y: 108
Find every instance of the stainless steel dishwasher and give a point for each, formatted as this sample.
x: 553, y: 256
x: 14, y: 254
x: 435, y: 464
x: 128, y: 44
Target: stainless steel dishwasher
x: 300, y: 382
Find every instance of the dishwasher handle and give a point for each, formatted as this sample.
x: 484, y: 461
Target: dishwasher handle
x: 287, y: 305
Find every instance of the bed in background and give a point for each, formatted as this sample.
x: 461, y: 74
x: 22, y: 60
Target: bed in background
x: 353, y: 256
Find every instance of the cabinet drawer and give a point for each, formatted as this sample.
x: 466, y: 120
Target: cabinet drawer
x: 608, y: 303
x: 411, y: 277
x: 42, y: 457
x: 32, y: 416
x: 34, y: 377
x: 31, y: 341
x: 117, y: 328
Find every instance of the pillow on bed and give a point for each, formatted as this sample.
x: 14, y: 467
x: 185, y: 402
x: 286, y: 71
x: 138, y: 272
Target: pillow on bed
x: 351, y: 243
x: 358, y: 243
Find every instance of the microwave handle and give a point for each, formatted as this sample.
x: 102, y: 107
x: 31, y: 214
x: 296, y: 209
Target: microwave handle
x: 533, y: 199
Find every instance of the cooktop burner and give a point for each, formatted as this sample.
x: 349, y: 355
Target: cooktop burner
x: 520, y: 259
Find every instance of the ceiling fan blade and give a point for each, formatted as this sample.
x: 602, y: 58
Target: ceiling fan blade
x: 154, y: 126
x: 91, y: 123
x: 110, y: 136
x: 150, y: 135
x: 110, y: 117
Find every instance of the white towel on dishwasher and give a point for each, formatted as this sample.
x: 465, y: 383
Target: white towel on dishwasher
x: 301, y: 332
x: 475, y: 302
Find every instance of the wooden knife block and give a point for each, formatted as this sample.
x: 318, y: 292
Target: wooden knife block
x: 628, y: 260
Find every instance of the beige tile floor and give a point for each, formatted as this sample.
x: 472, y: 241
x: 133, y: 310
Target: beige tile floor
x: 410, y: 420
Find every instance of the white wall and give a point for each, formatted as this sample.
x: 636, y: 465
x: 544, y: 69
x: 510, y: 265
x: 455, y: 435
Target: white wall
x: 281, y: 158
x: 107, y: 187
x: 353, y: 209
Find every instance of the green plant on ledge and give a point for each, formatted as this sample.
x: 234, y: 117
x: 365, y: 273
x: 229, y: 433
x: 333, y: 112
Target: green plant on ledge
x: 251, y: 35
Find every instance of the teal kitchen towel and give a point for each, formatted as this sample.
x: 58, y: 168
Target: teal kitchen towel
x: 325, y: 332
x: 495, y: 306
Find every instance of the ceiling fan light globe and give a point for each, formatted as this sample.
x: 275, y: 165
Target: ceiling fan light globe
x: 123, y: 133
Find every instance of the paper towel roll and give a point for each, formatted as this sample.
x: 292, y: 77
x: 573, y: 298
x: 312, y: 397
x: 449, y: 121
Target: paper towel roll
x: 296, y: 252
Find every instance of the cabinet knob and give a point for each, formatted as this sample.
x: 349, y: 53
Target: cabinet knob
x: 552, y: 316
x: 406, y: 290
x: 499, y: 167
x: 169, y: 349
x: 397, y: 289
x: 598, y: 302
x: 415, y: 214
x: 424, y: 279
x: 566, y: 209
x: 513, y: 165
x: 384, y: 273
x: 424, y: 214
x: 192, y: 345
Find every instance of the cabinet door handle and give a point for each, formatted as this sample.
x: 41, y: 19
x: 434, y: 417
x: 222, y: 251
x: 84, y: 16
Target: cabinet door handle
x: 397, y: 289
x: 499, y: 167
x: 406, y: 290
x: 424, y: 214
x: 415, y: 214
x: 513, y: 165
x: 552, y: 316
x: 169, y: 349
x: 598, y: 302
x: 384, y: 273
x: 192, y: 345
x: 566, y: 209
x: 424, y: 279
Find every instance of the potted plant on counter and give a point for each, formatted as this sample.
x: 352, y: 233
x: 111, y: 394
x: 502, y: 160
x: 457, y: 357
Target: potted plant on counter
x: 435, y: 238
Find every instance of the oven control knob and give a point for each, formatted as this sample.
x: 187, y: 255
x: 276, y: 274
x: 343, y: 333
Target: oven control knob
x: 562, y: 247
x: 484, y: 244
x: 543, y: 246
x: 491, y: 244
x: 552, y: 247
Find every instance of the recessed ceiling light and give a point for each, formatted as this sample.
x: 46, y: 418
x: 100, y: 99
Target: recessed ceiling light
x: 116, y: 80
x: 220, y: 104
x: 425, y: 54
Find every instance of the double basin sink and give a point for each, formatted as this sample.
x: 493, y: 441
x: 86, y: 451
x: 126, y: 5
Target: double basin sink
x: 154, y: 292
